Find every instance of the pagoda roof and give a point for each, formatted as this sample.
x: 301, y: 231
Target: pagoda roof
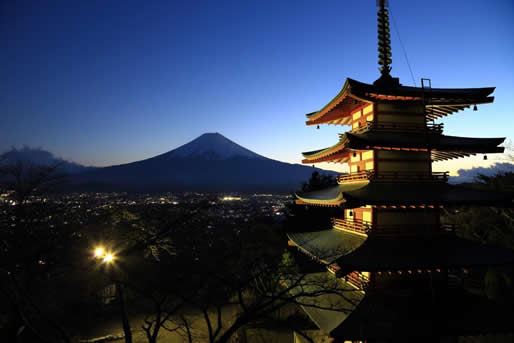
x: 355, y: 252
x: 355, y: 94
x: 382, y: 253
x: 442, y: 147
x: 400, y: 194
x: 450, y: 312
x: 328, y: 245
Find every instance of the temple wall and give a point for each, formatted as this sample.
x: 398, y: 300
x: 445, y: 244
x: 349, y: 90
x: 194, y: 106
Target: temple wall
x: 361, y: 116
x: 362, y: 161
x: 349, y: 215
x: 397, y: 118
x: 405, y: 216
x: 398, y: 161
x: 408, y: 220
x: 402, y: 155
x: 364, y: 213
x: 404, y: 166
x: 400, y: 113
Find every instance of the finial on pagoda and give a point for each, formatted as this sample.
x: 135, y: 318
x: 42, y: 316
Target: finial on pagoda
x: 384, y: 47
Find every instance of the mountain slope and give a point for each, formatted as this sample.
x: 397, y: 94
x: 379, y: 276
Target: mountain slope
x: 209, y: 163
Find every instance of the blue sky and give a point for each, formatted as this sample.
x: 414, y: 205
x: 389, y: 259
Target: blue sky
x: 107, y: 82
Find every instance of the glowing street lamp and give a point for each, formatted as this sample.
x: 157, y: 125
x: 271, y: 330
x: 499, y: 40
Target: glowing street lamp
x: 99, y: 252
x: 108, y: 258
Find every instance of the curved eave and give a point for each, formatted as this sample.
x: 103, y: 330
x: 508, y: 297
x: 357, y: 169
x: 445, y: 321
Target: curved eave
x: 388, y: 253
x: 441, y: 101
x: 442, y: 147
x: 331, y: 196
x: 444, y: 107
x: 438, y: 155
x: 403, y: 194
x: 342, y: 156
x: 336, y: 201
x: 338, y: 110
x: 326, y: 246
x: 334, y: 102
x: 324, y: 152
x: 470, y: 94
x: 335, y: 152
x: 354, y: 94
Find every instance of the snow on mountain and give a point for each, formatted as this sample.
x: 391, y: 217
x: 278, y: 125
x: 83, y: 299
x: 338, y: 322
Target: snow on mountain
x: 210, y: 146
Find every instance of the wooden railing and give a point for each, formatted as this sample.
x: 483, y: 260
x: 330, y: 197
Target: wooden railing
x: 355, y: 225
x: 357, y: 279
x: 403, y: 127
x: 409, y: 176
x: 362, y: 227
x: 357, y: 176
x: 400, y: 176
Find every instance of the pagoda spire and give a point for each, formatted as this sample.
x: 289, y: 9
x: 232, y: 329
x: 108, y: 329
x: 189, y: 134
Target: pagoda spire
x: 384, y: 42
x: 384, y: 46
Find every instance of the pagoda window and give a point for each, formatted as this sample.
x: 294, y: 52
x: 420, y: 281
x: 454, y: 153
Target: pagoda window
x: 367, y: 109
x: 366, y: 216
x: 367, y: 155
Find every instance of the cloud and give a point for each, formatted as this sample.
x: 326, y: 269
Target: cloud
x: 39, y: 157
x: 469, y: 175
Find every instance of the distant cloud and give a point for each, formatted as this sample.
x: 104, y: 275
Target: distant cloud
x: 39, y: 157
x: 469, y: 175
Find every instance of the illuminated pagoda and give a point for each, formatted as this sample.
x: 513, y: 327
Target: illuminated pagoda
x: 387, y: 240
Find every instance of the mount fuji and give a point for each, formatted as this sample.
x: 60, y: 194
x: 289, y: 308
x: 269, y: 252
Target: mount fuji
x: 210, y: 162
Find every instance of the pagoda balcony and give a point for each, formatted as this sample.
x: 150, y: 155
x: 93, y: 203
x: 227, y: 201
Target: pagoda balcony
x: 357, y: 280
x: 357, y: 226
x: 362, y: 227
x: 400, y: 127
x: 400, y: 176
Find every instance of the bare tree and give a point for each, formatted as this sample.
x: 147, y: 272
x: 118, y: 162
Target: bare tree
x: 28, y: 239
x: 231, y: 278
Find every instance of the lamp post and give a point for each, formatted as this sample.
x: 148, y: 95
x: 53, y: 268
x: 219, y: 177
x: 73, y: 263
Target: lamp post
x: 108, y: 258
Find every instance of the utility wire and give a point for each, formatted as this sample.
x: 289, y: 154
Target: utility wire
x: 403, y: 48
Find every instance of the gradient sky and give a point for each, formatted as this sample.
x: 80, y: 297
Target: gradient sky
x: 107, y: 82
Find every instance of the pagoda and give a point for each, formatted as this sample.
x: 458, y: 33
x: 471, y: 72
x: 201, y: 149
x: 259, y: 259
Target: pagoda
x: 387, y: 241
